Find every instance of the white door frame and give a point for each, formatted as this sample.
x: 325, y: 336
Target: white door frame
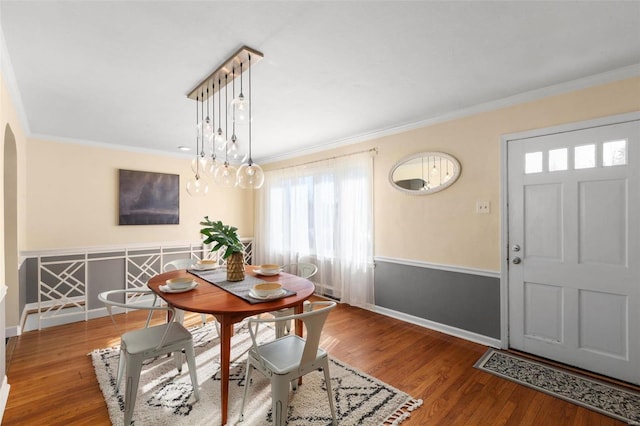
x: 504, y: 186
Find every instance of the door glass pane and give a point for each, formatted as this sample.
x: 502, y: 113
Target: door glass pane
x: 533, y: 162
x: 585, y: 156
x: 557, y: 159
x: 614, y: 153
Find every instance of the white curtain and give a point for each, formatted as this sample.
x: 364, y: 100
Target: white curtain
x: 321, y: 212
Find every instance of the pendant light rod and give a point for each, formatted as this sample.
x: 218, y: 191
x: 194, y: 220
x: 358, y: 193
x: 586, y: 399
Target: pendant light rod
x: 197, y: 143
x: 226, y: 119
x: 241, y: 55
x: 250, y: 160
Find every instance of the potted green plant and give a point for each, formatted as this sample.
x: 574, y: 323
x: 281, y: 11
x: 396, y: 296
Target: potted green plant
x: 225, y: 237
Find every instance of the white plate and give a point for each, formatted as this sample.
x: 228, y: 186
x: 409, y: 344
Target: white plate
x: 166, y: 289
x: 205, y: 267
x: 266, y: 274
x: 179, y: 283
x: 272, y: 296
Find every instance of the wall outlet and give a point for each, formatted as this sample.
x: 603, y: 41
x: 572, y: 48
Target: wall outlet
x: 483, y: 207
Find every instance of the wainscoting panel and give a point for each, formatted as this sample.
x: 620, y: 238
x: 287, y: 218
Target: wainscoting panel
x: 62, y: 286
x: 467, y: 301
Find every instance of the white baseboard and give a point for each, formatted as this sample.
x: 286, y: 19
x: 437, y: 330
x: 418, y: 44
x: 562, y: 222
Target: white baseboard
x: 4, y: 396
x: 446, y: 329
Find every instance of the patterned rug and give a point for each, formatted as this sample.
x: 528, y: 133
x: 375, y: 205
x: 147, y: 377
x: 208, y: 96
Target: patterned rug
x: 614, y: 401
x: 165, y: 396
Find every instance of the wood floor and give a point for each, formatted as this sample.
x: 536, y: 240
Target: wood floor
x: 53, y: 382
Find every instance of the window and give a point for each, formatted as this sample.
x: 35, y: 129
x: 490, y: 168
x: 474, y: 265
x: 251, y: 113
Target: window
x: 585, y: 156
x: 322, y: 212
x: 557, y: 159
x: 533, y: 162
x: 614, y: 153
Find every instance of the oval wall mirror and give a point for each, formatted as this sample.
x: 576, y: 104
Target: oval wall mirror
x: 425, y: 173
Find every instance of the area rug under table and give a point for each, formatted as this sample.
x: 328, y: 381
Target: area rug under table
x: 614, y: 401
x: 165, y: 396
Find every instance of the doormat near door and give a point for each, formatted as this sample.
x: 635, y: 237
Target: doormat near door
x: 614, y: 401
x: 165, y: 396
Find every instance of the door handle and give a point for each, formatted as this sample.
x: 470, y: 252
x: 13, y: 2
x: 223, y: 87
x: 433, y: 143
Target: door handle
x: 516, y: 260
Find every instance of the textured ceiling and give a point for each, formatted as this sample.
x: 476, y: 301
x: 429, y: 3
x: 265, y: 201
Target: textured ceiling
x: 118, y: 72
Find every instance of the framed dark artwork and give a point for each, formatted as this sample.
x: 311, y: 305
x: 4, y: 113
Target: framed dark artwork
x: 147, y: 198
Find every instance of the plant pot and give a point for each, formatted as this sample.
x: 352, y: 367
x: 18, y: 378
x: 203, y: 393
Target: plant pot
x: 235, y: 267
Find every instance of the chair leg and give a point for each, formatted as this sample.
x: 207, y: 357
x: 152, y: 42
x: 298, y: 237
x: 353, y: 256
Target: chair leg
x: 191, y: 362
x: 121, y: 366
x: 180, y: 316
x: 280, y: 400
x: 247, y: 383
x: 134, y: 366
x: 327, y: 379
x: 178, y: 360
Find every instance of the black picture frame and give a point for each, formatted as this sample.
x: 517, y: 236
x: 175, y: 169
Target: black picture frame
x: 148, y: 198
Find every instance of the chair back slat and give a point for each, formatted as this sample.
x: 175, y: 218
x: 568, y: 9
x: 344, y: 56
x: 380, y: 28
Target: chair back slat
x: 178, y: 264
x: 314, y: 324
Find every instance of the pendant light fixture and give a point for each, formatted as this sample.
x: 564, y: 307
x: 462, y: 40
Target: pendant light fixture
x: 196, y: 186
x: 250, y: 175
x: 225, y: 175
x: 235, y: 154
x: 239, y: 106
x: 199, y: 162
x: 226, y: 154
x: 220, y: 138
x: 206, y: 127
x: 211, y: 163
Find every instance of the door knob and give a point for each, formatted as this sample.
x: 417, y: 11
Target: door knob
x: 516, y: 260
x: 515, y: 248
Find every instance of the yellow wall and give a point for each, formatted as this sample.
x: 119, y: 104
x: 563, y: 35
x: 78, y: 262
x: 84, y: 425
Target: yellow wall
x: 72, y: 198
x: 443, y: 228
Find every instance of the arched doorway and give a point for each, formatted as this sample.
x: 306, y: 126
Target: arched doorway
x: 10, y: 208
x: 10, y: 201
x: 10, y: 168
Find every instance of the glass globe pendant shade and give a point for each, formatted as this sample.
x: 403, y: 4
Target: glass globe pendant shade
x: 235, y: 155
x: 225, y: 175
x: 197, y: 187
x: 250, y: 176
x: 220, y: 141
x: 210, y: 167
x: 239, y: 110
x: 198, y: 163
x: 205, y: 129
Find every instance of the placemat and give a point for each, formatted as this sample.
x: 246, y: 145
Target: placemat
x: 218, y: 277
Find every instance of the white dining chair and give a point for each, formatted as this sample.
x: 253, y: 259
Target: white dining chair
x: 174, y: 265
x: 152, y: 341
x: 288, y: 358
x: 301, y: 269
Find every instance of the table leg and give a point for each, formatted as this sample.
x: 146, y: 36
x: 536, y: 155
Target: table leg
x: 226, y: 331
x: 298, y: 309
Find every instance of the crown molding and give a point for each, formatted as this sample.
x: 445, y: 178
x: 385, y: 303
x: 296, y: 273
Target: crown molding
x: 529, y: 96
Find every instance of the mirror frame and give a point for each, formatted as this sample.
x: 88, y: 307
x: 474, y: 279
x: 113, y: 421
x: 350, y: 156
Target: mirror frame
x: 456, y: 172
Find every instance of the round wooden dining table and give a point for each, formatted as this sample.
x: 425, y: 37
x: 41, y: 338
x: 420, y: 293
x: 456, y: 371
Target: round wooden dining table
x: 229, y: 309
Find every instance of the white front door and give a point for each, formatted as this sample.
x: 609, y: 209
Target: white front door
x: 574, y: 248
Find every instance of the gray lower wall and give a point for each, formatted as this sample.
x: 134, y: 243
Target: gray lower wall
x: 466, y: 301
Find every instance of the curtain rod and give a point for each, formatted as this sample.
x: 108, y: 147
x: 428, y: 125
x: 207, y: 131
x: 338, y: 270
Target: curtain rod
x: 327, y: 159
